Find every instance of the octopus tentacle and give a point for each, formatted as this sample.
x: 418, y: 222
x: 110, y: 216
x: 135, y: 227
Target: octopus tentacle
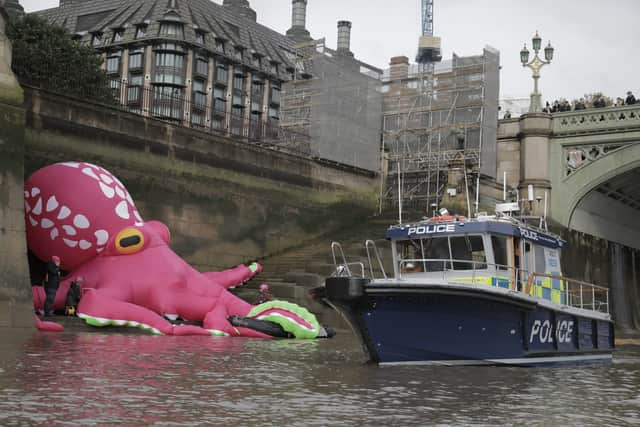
x: 98, y: 309
x: 293, y: 318
x: 233, y: 276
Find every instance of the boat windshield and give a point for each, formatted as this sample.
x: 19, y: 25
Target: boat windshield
x: 442, y: 253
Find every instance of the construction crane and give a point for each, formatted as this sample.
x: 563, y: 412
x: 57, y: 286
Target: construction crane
x: 428, y: 45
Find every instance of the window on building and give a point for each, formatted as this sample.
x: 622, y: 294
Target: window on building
x: 118, y: 35
x: 238, y: 53
x: 96, y: 39
x: 273, y: 68
x: 141, y: 31
x: 274, y: 97
x: 200, y: 37
x: 222, y: 73
x: 274, y: 113
x: 172, y: 29
x: 136, y: 57
x: 238, y: 81
x: 113, y: 62
x: 256, y: 61
x: 115, y: 84
x: 169, y: 64
x: 220, y: 45
x: 199, y: 95
x: 219, y: 100
x: 135, y: 88
x: 237, y: 120
x: 198, y: 103
x: 202, y: 66
x: 168, y: 102
x: 238, y: 90
x: 257, y: 94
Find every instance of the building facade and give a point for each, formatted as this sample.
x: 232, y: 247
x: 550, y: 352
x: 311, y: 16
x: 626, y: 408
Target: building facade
x: 339, y: 106
x: 439, y: 128
x: 194, y: 62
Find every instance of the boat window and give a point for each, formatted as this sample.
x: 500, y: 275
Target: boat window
x: 410, y: 251
x: 539, y: 259
x: 442, y: 253
x: 500, y: 252
x: 468, y: 253
x: 436, y: 250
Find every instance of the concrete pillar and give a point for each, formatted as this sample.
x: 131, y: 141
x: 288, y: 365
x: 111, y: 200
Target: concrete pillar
x: 124, y: 77
x: 188, y: 90
x: 210, y: 75
x: 265, y: 101
x: 148, y: 70
x: 535, y: 137
x: 247, y: 101
x: 618, y: 290
x: 230, y: 71
x: 16, y: 306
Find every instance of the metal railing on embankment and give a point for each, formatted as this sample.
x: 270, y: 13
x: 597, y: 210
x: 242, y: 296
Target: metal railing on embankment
x: 200, y: 111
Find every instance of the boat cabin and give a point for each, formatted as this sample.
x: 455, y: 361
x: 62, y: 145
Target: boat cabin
x: 488, y: 251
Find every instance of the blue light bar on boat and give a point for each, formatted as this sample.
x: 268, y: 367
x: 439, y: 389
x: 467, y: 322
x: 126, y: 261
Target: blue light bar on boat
x: 433, y: 229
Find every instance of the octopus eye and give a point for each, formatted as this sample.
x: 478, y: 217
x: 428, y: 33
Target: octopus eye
x: 129, y: 241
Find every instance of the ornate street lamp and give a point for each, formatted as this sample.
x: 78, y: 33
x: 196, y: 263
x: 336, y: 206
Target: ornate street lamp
x: 535, y: 65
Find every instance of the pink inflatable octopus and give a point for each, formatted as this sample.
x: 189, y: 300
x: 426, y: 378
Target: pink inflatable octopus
x: 84, y: 214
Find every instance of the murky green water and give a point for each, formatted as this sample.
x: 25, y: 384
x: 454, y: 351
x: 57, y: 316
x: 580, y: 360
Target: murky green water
x: 107, y: 379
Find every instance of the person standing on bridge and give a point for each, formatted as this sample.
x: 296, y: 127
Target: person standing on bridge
x: 630, y: 98
x: 52, y: 281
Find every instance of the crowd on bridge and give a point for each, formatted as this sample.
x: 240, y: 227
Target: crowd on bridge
x: 596, y: 100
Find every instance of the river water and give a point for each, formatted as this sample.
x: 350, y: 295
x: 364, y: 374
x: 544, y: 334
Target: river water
x: 116, y: 379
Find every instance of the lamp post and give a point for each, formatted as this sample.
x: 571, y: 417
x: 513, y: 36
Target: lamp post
x: 536, y: 64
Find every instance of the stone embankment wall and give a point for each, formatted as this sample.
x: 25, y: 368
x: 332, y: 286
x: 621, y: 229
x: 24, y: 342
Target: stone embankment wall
x: 607, y: 264
x: 16, y: 308
x: 225, y: 201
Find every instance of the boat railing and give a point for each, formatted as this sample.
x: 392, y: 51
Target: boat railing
x: 408, y: 266
x: 343, y: 269
x: 370, y: 244
x: 579, y: 294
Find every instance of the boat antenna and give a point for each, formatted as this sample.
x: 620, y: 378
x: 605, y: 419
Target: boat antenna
x: 543, y: 222
x: 466, y: 187
x: 504, y: 187
x: 477, y: 203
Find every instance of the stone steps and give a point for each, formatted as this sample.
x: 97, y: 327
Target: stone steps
x: 292, y: 274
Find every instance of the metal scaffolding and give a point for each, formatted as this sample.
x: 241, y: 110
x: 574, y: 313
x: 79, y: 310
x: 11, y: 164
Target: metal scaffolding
x: 433, y: 119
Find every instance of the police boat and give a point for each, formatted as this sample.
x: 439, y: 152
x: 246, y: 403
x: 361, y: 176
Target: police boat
x: 487, y: 290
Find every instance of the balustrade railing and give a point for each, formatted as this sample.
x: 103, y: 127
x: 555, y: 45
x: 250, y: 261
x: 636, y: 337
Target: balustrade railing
x: 594, y: 119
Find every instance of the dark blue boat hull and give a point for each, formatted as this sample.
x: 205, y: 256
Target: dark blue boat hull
x: 426, y: 324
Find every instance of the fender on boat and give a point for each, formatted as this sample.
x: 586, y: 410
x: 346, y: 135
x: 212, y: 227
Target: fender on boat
x: 345, y: 288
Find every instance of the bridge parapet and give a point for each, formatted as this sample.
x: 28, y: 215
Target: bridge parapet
x: 595, y: 120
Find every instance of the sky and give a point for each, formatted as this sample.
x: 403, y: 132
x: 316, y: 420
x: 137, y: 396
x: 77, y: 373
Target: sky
x: 597, y: 42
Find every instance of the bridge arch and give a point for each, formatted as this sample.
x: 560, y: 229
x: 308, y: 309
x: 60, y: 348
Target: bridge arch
x: 590, y: 201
